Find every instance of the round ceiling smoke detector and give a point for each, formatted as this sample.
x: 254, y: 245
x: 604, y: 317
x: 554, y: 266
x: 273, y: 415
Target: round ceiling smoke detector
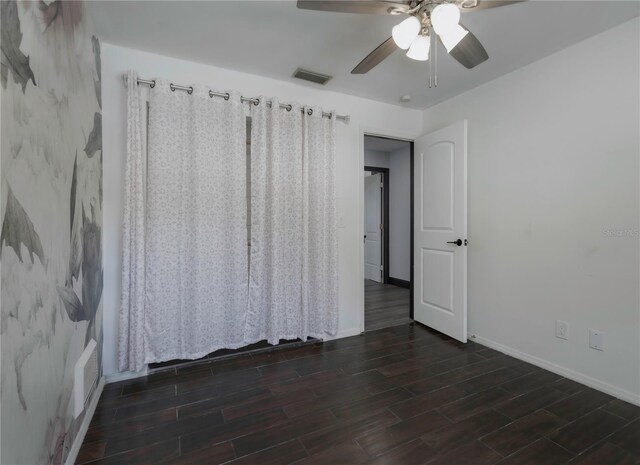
x: 405, y: 98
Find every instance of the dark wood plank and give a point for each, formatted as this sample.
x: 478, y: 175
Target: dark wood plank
x: 579, y: 404
x: 541, y: 452
x: 622, y: 409
x: 368, y: 404
x: 530, y: 402
x: 131, y: 426
x: 147, y: 455
x: 453, y: 436
x: 121, y: 443
x: 281, y: 454
x: 582, y: 433
x: 347, y: 453
x: 474, y: 404
x: 347, y: 431
x: 215, y: 455
x: 530, y: 382
x: 474, y: 453
x: 488, y: 380
x: 393, y: 436
x: 426, y: 402
x: 523, y: 432
x: 91, y: 451
x: 402, y: 395
x: 211, y: 436
x: 263, y: 404
x: 412, y: 453
x: 606, y: 454
x: 628, y: 438
x: 285, y: 431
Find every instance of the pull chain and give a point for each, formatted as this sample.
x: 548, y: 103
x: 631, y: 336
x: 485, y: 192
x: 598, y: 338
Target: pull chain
x: 435, y: 64
x: 431, y: 47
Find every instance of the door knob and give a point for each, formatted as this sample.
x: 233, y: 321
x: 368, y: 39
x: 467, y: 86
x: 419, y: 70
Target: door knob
x: 456, y: 242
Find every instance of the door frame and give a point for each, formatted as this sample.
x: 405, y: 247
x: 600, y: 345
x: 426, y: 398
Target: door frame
x: 384, y: 134
x: 385, y: 219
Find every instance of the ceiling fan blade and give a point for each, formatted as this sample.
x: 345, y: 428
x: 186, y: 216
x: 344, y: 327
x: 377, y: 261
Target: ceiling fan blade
x: 485, y: 4
x: 372, y: 60
x: 373, y: 7
x: 469, y: 52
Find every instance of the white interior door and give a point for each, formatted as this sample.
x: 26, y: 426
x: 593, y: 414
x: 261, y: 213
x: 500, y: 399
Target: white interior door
x: 372, y: 233
x: 440, y: 230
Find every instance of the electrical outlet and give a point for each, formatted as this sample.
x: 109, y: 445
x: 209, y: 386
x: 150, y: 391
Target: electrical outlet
x: 596, y: 339
x: 562, y: 329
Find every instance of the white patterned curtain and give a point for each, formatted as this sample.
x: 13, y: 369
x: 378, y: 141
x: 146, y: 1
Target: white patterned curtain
x: 131, y: 342
x: 319, y: 236
x: 293, y: 274
x: 196, y: 250
x: 189, y: 286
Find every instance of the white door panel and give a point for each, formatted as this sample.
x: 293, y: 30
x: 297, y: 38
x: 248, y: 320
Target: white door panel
x: 372, y: 221
x: 440, y: 274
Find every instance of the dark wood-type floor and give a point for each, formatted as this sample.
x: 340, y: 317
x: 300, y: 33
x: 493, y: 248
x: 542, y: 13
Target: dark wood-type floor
x: 400, y: 395
x: 385, y: 305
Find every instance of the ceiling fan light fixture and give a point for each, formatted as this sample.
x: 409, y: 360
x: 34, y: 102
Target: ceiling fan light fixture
x: 419, y: 49
x: 453, y: 37
x: 405, y: 33
x: 445, y: 18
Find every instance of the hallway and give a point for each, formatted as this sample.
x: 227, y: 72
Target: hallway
x: 385, y: 305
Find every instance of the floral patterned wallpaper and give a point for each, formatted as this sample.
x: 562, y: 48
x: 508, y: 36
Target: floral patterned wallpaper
x: 51, y: 255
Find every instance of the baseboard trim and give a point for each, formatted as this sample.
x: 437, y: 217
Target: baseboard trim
x: 399, y: 282
x: 125, y: 375
x: 84, y: 426
x: 345, y: 333
x: 607, y: 388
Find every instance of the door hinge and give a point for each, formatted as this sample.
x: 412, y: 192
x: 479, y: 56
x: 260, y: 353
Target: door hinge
x: 381, y: 268
x: 381, y: 226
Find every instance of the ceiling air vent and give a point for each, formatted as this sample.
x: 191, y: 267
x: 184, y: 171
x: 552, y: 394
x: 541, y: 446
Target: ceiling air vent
x: 310, y: 76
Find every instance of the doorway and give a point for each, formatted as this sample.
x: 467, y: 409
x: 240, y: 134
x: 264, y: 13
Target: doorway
x: 376, y: 214
x: 388, y: 232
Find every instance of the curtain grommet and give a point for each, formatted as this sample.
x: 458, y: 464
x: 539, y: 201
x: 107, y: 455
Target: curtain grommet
x: 153, y: 84
x: 310, y: 111
x: 190, y: 91
x: 227, y: 96
x: 172, y: 87
x: 256, y: 102
x: 289, y: 107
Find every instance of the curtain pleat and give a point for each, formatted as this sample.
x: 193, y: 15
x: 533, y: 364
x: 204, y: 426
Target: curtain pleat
x: 196, y: 267
x: 131, y: 341
x: 320, y: 250
x: 293, y: 276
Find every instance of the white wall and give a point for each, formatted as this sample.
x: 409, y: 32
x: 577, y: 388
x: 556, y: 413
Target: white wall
x: 366, y: 116
x: 400, y: 213
x: 376, y: 158
x: 553, y: 169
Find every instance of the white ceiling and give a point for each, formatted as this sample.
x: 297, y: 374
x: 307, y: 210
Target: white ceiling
x: 382, y: 144
x: 273, y: 38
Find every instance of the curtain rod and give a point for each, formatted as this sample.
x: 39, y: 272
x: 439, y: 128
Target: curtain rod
x: 226, y: 95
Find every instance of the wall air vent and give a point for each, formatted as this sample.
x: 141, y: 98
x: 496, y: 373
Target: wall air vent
x: 310, y: 76
x: 85, y: 377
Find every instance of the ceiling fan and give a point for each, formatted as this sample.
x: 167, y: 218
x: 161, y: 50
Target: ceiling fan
x: 439, y: 19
